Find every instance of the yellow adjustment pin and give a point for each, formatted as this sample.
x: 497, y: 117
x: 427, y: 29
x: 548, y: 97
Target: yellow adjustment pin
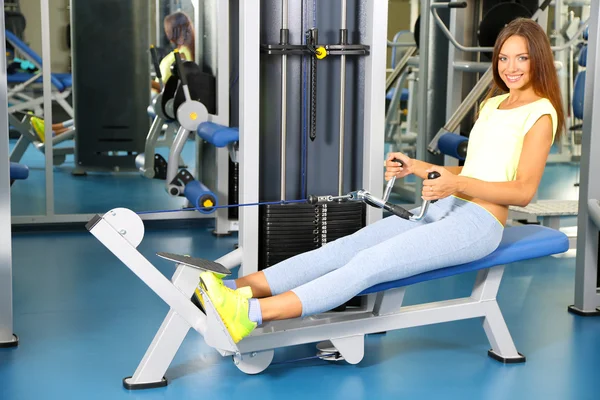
x: 193, y: 116
x: 321, y: 53
x: 208, y: 203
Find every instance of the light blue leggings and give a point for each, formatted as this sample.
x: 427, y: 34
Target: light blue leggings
x: 453, y: 232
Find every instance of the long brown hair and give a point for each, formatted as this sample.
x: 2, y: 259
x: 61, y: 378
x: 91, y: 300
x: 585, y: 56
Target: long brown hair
x: 180, y: 31
x: 544, y: 78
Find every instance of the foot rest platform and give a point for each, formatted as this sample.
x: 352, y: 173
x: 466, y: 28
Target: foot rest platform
x: 198, y: 263
x: 518, y: 243
x: 218, y: 135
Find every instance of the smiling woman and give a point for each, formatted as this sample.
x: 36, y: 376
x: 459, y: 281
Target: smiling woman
x: 524, y: 66
x: 514, y: 64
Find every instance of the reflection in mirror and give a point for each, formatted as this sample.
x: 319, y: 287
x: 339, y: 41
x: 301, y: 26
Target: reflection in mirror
x: 25, y: 109
x: 112, y: 130
x: 125, y: 128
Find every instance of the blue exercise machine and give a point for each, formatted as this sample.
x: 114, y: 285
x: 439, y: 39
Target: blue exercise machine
x: 191, y: 113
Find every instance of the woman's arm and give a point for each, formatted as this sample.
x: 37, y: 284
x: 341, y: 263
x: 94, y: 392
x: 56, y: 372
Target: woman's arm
x: 536, y: 147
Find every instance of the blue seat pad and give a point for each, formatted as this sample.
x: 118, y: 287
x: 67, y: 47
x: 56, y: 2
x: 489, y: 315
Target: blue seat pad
x: 518, y: 243
x: 18, y: 171
x: 60, y: 81
x: 218, y: 135
x: 21, y: 77
x: 403, y: 95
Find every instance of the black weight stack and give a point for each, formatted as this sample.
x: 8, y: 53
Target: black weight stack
x: 233, y: 193
x: 287, y: 230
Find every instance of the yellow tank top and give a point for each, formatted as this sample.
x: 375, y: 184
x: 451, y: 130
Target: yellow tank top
x: 165, y: 63
x: 496, y: 140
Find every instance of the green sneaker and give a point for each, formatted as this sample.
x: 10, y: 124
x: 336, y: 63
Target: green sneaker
x: 231, y: 306
x: 245, y: 292
x: 38, y: 127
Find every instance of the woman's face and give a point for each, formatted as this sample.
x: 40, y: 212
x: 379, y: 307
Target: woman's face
x: 514, y: 64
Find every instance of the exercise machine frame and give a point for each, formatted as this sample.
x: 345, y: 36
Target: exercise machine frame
x: 587, y: 285
x: 121, y: 231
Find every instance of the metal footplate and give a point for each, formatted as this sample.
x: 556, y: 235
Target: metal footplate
x: 198, y: 263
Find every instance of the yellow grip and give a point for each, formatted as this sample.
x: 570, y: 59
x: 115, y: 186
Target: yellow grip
x: 321, y: 53
x: 207, y: 203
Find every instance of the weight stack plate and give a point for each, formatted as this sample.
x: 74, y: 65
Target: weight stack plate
x: 287, y: 230
x: 233, y: 193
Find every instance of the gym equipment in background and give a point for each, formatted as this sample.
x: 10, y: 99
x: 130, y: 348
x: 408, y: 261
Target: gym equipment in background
x: 110, y: 82
x: 151, y: 164
x: 194, y: 100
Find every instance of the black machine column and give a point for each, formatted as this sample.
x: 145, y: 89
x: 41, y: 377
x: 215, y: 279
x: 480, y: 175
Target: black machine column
x: 111, y: 81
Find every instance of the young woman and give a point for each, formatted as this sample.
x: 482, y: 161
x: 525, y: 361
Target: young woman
x: 180, y: 32
x: 508, y: 148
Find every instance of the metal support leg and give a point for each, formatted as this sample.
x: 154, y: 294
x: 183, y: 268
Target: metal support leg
x: 389, y: 301
x: 249, y: 84
x: 587, y: 285
x: 150, y: 147
x: 60, y: 99
x: 19, y: 150
x: 7, y: 337
x: 551, y: 222
x: 174, y: 153
x: 151, y: 371
x: 485, y: 290
x: 503, y: 347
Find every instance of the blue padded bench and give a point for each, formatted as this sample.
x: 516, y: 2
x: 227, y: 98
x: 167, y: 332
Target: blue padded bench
x: 518, y: 243
x: 60, y: 81
x: 65, y: 81
x: 18, y: 172
x: 218, y: 135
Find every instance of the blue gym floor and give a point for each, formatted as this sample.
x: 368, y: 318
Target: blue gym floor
x: 84, y: 322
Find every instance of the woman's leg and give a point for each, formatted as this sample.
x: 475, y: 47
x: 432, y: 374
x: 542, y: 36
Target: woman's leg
x: 451, y: 241
x: 308, y: 266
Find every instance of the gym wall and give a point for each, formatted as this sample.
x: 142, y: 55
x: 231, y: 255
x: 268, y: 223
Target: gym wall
x: 59, y: 19
x: 398, y: 20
